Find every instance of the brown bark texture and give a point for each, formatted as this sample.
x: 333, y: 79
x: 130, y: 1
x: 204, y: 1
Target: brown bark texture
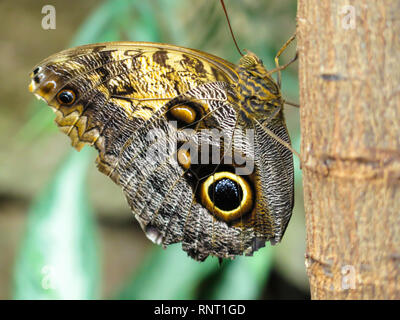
x: 349, y: 73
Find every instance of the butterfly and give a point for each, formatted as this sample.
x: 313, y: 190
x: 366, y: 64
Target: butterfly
x: 149, y: 108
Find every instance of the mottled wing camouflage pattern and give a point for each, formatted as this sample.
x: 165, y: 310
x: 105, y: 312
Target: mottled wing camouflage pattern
x: 143, y: 105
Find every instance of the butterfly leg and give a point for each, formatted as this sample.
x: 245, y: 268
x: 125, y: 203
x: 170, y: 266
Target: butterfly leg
x: 273, y: 135
x: 293, y: 104
x: 278, y: 67
x: 278, y: 139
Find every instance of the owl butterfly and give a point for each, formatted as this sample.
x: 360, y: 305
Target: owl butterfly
x: 146, y: 108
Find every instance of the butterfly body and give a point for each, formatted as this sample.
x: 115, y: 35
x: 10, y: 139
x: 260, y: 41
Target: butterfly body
x: 149, y: 108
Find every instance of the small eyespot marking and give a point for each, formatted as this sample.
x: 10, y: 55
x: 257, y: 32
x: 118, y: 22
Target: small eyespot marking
x: 66, y: 97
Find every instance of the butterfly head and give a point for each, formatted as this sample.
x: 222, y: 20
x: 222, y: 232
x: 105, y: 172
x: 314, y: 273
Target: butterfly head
x: 258, y: 91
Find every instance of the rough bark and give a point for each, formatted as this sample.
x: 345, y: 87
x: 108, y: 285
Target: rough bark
x: 350, y: 118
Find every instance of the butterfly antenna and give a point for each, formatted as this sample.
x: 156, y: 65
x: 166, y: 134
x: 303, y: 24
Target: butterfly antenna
x: 230, y: 28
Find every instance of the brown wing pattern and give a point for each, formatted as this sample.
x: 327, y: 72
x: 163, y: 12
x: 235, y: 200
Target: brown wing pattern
x: 120, y: 97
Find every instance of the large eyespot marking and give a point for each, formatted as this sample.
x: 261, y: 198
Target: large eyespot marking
x: 66, y: 97
x: 227, y: 195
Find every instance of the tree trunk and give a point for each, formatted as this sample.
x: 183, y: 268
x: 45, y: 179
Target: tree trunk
x: 349, y: 71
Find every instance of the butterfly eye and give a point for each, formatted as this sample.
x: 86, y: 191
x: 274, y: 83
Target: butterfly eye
x: 66, y: 97
x: 227, y: 195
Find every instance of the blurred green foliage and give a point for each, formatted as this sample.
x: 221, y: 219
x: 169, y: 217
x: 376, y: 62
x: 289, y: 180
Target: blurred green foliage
x: 59, y: 255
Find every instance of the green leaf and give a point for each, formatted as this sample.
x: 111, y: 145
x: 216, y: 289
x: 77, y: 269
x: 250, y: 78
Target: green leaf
x: 115, y: 19
x: 168, y: 274
x: 171, y: 274
x: 58, y: 258
x: 245, y: 277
